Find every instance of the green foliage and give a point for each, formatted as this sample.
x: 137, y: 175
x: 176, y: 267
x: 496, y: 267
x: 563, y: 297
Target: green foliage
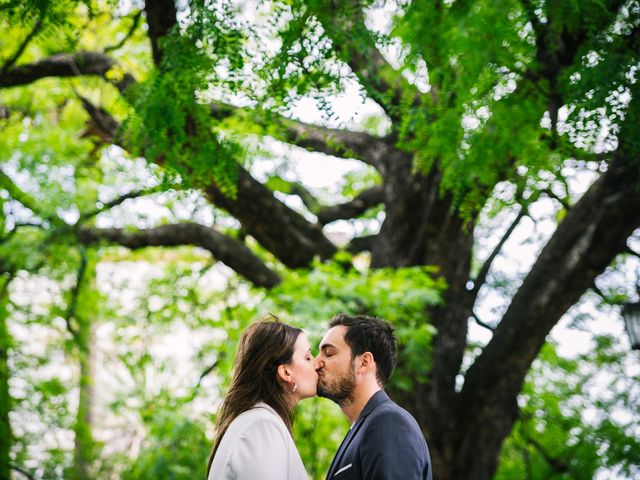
x: 599, y: 86
x: 175, y: 448
x: 484, y: 112
x: 180, y: 133
x: 398, y: 295
x: 461, y: 128
x: 572, y: 422
x: 300, y: 67
x: 318, y: 429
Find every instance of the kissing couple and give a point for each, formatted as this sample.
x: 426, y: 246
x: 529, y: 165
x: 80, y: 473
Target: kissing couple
x: 274, y: 369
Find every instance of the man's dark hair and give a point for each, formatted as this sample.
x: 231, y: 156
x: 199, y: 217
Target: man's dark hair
x: 369, y: 334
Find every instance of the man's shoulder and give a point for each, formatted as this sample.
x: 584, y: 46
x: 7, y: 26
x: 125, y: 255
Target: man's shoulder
x: 388, y: 409
x: 389, y: 418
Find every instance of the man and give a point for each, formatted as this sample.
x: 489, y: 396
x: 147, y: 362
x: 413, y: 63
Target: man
x: 357, y: 357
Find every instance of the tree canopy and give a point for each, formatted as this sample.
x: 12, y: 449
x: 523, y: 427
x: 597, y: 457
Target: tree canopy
x: 153, y: 205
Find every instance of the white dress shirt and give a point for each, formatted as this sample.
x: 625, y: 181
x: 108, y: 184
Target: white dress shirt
x: 257, y: 446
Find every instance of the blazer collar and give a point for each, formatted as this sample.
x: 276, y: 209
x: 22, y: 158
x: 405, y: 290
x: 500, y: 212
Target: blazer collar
x: 377, y: 398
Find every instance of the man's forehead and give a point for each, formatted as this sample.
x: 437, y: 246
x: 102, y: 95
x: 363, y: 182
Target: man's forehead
x: 334, y: 337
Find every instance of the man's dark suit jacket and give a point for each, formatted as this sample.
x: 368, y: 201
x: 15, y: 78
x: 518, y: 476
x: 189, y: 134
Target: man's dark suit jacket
x: 384, y: 443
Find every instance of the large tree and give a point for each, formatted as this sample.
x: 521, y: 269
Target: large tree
x: 475, y: 97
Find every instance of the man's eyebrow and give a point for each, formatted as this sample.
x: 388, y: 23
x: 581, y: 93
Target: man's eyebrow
x: 325, y: 346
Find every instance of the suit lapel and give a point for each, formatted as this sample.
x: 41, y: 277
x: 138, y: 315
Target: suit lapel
x: 343, y: 447
x: 379, y: 397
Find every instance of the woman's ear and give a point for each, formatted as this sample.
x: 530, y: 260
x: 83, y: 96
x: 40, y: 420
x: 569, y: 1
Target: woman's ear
x: 284, y: 373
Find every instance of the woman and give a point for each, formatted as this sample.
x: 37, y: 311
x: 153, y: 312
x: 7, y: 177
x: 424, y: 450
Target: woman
x: 273, y: 371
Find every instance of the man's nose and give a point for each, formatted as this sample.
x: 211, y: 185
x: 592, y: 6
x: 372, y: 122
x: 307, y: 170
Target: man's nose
x: 318, y: 364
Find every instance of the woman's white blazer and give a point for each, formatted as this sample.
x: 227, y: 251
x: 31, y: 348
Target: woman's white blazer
x: 257, y: 446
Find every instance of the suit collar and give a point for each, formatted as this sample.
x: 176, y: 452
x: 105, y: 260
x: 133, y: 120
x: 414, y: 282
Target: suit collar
x: 377, y: 398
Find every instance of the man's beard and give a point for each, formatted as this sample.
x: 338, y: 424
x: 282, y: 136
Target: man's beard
x: 341, y: 390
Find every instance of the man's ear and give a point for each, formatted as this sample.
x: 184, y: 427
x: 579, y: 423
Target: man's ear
x: 366, y: 361
x: 284, y: 373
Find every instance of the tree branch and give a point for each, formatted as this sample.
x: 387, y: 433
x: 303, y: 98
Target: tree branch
x: 481, y: 278
x: 481, y: 323
x: 26, y: 200
x: 532, y: 17
x: 362, y: 202
x: 589, y: 238
x: 105, y: 125
x: 22, y: 471
x: 115, y: 202
x: 558, y: 466
x: 206, y: 372
x: 282, y: 231
x: 331, y: 141
x: 11, y: 61
x: 224, y: 248
x: 287, y: 187
x: 355, y: 44
x: 132, y: 29
x: 14, y: 230
x: 599, y: 292
x: 64, y: 65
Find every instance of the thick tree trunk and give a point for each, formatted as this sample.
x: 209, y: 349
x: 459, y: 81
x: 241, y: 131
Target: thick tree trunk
x: 408, y: 200
x: 6, y: 434
x: 422, y: 228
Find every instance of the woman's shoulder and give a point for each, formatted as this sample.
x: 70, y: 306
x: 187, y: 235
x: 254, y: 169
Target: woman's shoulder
x: 260, y: 416
x: 259, y: 410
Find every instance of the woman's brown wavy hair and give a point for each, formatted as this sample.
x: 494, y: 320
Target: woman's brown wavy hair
x: 263, y: 347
